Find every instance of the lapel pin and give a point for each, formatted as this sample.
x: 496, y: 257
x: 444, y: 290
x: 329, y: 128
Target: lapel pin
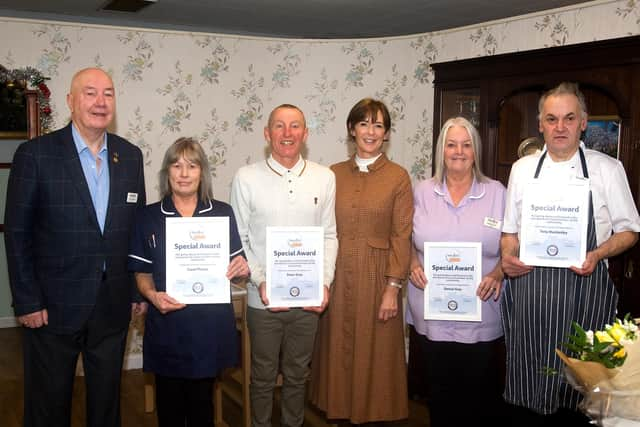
x: 115, y: 157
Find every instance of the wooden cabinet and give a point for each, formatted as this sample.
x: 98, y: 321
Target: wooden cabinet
x: 504, y: 91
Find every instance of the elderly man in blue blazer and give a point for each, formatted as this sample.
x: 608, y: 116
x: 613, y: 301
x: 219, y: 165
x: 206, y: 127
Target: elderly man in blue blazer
x: 71, y: 200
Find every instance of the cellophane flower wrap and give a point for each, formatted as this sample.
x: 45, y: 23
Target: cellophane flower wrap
x: 606, y: 370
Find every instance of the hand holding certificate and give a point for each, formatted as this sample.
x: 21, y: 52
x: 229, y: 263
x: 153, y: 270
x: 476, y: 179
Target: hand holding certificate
x: 295, y: 266
x: 454, y: 270
x: 553, y: 231
x: 197, y: 256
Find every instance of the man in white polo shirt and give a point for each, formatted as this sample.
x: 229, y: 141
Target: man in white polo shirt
x: 283, y: 190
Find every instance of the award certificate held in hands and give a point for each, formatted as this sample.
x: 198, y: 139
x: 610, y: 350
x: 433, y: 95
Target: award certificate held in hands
x: 454, y: 271
x: 197, y: 258
x: 295, y: 266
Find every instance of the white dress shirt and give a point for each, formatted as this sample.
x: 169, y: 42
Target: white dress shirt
x: 613, y: 205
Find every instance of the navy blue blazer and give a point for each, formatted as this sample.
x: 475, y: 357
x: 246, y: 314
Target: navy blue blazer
x: 56, y: 253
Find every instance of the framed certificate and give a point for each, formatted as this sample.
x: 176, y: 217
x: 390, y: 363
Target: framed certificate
x: 454, y: 271
x: 197, y: 258
x: 553, y: 229
x: 295, y: 266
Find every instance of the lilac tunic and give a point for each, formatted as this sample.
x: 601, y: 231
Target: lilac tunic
x: 436, y: 219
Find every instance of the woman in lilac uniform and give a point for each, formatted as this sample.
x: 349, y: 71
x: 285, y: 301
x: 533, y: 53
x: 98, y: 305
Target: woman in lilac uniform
x: 463, y: 361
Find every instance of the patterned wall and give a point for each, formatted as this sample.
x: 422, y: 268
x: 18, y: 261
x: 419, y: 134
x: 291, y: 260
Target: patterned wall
x: 221, y: 89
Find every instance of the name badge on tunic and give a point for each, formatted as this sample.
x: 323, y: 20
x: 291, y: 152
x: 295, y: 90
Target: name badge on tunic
x: 492, y: 223
x: 555, y: 216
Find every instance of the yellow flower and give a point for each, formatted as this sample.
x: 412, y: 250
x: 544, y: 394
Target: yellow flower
x: 604, y: 336
x: 617, y: 332
x: 620, y: 353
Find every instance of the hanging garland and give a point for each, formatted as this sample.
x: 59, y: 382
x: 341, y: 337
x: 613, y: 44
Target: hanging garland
x: 35, y: 80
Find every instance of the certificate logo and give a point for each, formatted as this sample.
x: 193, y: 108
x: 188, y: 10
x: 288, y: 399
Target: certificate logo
x: 453, y: 256
x: 197, y: 235
x: 452, y: 305
x: 197, y: 287
x: 294, y: 291
x: 552, y: 250
x: 294, y: 243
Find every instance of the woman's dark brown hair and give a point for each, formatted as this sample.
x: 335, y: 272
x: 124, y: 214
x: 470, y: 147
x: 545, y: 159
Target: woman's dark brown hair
x: 367, y: 110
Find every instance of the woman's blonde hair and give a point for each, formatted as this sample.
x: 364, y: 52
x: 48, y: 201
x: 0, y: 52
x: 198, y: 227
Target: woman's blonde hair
x: 476, y: 145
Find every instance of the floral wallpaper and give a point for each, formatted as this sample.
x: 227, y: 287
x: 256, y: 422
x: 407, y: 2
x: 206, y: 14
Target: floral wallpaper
x: 220, y: 89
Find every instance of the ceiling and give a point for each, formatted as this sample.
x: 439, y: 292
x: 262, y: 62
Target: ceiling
x: 287, y: 18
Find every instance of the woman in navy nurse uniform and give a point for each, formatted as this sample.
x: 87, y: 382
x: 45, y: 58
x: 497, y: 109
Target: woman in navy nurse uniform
x: 185, y: 346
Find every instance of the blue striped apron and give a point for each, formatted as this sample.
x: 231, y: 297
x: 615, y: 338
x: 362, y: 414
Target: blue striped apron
x: 537, y: 311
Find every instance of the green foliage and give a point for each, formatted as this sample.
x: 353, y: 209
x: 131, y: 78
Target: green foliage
x: 605, y: 347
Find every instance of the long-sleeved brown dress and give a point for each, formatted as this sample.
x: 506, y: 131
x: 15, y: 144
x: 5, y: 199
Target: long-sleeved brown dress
x: 359, y: 368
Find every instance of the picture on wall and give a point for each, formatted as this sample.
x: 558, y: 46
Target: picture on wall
x: 603, y: 134
x: 13, y: 111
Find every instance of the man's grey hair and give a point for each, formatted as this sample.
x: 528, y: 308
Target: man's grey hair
x: 564, y: 88
x: 285, y: 107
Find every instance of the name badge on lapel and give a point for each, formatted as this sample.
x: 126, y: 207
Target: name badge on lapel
x: 132, y: 197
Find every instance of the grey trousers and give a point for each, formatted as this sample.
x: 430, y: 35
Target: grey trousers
x: 280, y: 342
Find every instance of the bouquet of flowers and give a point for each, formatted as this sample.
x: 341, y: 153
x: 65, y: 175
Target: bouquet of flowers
x: 607, y: 371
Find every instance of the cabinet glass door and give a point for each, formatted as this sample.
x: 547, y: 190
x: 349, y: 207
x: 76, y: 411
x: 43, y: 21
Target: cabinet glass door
x: 461, y: 102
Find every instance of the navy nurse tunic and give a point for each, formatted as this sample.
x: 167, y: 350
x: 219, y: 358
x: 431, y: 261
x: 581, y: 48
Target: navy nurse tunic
x: 199, y: 340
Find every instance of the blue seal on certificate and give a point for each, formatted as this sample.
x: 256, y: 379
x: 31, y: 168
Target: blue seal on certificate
x: 197, y: 287
x: 294, y: 291
x: 452, y: 305
x: 552, y: 250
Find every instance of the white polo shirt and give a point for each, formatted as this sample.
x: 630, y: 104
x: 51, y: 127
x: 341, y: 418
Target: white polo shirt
x: 268, y: 194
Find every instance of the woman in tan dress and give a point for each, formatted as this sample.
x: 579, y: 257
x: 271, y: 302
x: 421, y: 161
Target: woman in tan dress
x: 359, y: 369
